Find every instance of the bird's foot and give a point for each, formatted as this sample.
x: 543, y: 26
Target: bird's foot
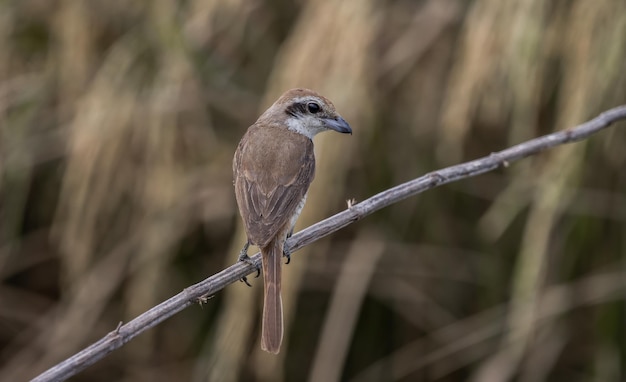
x: 287, y: 254
x: 243, y: 256
x: 287, y: 251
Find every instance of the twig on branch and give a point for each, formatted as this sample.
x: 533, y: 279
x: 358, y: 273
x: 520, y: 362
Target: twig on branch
x: 200, y: 292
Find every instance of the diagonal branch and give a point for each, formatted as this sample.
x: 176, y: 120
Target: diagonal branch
x: 198, y: 293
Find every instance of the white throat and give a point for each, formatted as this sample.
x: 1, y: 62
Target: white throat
x: 306, y: 125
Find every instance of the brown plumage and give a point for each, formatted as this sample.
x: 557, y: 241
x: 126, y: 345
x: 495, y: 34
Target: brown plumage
x: 273, y: 168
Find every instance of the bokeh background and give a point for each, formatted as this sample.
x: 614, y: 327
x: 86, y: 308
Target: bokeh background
x: 118, y: 122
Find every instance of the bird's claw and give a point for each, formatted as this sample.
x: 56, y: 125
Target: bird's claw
x: 287, y: 254
x: 286, y: 251
x: 243, y: 256
x: 244, y: 279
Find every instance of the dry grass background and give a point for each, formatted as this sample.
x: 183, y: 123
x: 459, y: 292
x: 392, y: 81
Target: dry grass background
x: 118, y: 121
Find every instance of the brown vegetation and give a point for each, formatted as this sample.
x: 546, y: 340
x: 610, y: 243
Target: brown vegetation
x: 118, y: 121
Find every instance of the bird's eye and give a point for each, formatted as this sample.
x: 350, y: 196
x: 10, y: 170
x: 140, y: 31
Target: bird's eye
x: 313, y: 107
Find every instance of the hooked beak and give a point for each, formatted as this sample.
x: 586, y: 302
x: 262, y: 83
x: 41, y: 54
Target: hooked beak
x: 338, y: 124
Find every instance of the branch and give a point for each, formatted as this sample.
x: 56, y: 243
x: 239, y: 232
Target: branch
x: 199, y: 292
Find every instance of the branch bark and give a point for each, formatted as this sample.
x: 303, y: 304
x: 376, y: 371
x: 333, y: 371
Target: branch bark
x: 198, y: 293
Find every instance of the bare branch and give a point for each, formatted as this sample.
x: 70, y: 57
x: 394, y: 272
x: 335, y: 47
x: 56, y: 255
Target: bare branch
x: 199, y: 292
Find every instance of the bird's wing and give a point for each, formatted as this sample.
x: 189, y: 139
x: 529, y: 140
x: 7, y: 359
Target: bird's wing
x: 273, y: 170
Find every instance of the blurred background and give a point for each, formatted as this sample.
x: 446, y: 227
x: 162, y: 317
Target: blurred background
x: 118, y: 123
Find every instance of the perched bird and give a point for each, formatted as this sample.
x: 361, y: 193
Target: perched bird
x: 273, y: 168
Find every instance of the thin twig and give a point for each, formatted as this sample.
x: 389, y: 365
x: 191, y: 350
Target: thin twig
x: 198, y: 292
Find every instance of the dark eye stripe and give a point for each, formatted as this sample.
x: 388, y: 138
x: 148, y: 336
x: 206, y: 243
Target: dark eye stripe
x: 296, y: 109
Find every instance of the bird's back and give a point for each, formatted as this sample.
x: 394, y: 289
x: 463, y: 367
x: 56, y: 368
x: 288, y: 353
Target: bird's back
x: 273, y: 168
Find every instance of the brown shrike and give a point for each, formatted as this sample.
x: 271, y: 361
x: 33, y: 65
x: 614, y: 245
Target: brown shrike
x: 273, y: 167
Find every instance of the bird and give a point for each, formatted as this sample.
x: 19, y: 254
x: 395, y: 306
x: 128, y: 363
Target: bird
x: 273, y: 167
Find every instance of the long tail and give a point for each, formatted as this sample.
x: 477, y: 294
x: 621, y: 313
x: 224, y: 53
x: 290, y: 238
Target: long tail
x: 272, y: 332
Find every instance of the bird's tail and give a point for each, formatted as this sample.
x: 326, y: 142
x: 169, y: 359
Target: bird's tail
x: 272, y: 331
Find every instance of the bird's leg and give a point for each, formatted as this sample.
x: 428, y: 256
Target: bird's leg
x: 243, y: 256
x: 286, y: 251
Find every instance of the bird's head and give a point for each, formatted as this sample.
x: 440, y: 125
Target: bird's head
x: 306, y: 112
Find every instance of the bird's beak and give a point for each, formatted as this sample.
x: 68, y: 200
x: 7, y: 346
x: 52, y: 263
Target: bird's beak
x: 338, y: 124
